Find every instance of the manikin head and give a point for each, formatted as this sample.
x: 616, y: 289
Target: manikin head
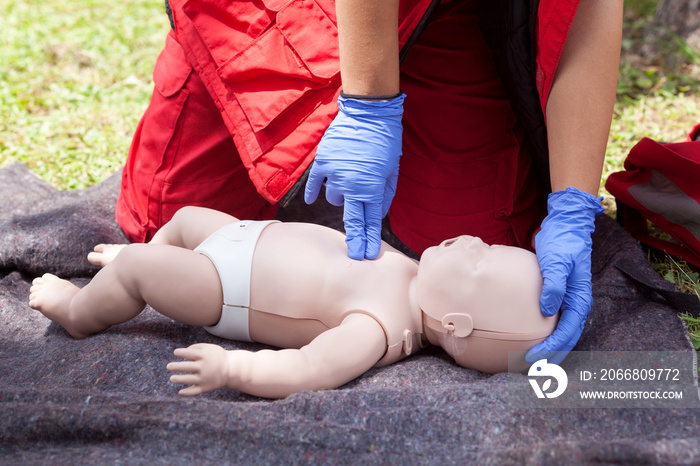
x: 479, y: 302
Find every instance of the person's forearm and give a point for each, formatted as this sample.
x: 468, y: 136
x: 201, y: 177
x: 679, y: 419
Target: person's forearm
x: 369, y: 46
x: 580, y: 105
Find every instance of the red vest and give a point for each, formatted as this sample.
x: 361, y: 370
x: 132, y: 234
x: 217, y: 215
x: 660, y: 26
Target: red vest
x: 272, y: 69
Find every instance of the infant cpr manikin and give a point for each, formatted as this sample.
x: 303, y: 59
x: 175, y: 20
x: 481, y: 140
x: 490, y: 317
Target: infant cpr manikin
x: 332, y: 317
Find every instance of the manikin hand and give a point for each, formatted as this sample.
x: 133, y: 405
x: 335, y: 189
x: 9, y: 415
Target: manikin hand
x: 563, y: 249
x: 205, y: 371
x: 359, y: 157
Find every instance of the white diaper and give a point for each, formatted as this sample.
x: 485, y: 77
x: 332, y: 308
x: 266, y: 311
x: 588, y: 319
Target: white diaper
x: 231, y: 250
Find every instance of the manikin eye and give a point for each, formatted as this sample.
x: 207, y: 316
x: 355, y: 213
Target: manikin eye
x: 450, y: 242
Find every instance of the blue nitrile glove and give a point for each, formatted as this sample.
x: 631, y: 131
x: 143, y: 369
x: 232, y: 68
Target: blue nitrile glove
x: 563, y: 248
x: 359, y: 158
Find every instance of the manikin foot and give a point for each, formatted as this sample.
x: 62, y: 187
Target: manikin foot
x: 52, y: 296
x: 104, y: 253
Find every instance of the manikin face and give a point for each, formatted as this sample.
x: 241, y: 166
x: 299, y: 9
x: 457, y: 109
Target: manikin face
x: 498, y: 287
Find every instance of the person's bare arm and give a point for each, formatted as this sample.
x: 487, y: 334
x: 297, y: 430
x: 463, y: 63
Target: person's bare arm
x: 332, y: 359
x: 580, y: 105
x: 579, y: 113
x: 369, y: 46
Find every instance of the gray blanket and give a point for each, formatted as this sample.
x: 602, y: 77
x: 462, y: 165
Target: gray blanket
x: 108, y: 399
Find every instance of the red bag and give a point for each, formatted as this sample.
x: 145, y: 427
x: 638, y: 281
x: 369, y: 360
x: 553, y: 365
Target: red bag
x: 661, y: 183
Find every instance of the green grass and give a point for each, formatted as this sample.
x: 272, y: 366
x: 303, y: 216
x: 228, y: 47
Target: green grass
x: 658, y: 92
x: 688, y: 281
x: 75, y: 77
x: 658, y: 97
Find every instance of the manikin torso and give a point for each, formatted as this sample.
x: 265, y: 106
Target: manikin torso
x: 303, y: 283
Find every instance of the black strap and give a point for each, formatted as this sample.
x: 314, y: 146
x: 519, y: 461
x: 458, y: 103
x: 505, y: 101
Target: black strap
x: 169, y: 12
x: 418, y: 30
x: 371, y: 97
x: 683, y: 303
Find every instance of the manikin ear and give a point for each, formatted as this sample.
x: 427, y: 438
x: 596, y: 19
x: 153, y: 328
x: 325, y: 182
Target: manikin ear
x: 460, y: 324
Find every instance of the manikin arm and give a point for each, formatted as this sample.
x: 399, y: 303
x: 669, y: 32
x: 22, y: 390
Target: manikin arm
x: 332, y: 359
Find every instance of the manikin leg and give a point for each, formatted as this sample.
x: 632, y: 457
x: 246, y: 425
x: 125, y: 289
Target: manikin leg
x: 176, y: 281
x: 190, y: 226
x: 187, y: 229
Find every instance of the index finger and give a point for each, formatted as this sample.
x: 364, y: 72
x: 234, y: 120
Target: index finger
x: 354, y: 220
x: 373, y: 229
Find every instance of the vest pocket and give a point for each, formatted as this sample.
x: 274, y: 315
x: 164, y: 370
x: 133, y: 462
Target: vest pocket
x: 171, y: 69
x: 282, y: 67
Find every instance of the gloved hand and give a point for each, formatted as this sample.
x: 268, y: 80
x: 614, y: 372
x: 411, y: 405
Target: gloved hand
x: 359, y: 158
x: 563, y: 248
